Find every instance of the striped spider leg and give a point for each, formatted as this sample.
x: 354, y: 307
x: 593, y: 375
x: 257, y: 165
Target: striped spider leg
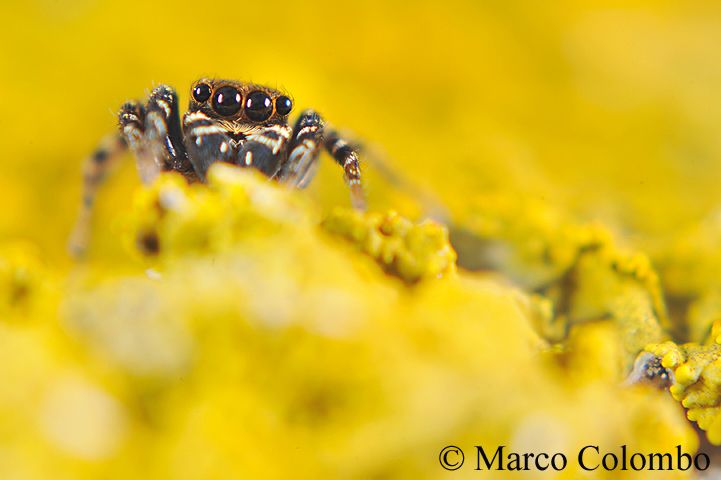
x: 153, y: 134
x: 95, y: 169
x: 163, y: 134
x: 310, y: 135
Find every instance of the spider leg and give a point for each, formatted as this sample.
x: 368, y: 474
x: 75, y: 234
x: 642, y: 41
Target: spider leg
x: 131, y: 120
x: 206, y: 143
x: 96, y: 167
x: 347, y: 158
x: 310, y: 135
x: 264, y: 148
x: 303, y: 150
x: 163, y: 134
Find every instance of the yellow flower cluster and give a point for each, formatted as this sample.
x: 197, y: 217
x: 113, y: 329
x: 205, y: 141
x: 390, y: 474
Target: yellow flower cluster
x: 247, y: 340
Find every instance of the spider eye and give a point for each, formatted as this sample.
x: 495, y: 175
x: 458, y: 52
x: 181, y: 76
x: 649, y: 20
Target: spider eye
x: 258, y: 106
x: 201, y: 92
x: 227, y: 101
x: 283, y: 105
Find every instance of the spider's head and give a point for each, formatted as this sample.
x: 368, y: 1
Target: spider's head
x: 239, y: 102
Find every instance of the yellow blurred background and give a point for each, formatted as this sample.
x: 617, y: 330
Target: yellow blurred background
x: 611, y: 110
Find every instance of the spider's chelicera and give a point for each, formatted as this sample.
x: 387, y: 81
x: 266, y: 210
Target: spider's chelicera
x: 227, y: 121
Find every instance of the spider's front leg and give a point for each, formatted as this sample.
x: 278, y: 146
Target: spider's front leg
x: 131, y: 120
x: 347, y: 158
x: 163, y: 134
x: 309, y: 136
x: 305, y: 145
x: 153, y: 135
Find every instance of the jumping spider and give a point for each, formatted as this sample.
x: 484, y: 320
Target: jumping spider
x: 227, y: 121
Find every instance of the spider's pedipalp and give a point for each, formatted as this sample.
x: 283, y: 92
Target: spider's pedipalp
x: 263, y: 149
x: 206, y: 142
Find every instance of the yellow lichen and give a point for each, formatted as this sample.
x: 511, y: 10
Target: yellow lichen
x: 696, y: 375
x: 224, y: 331
x: 578, y: 268
x: 251, y: 326
x: 410, y: 251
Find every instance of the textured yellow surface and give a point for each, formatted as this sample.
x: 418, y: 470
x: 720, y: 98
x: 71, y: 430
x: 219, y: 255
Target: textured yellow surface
x: 259, y: 342
x: 574, y: 148
x: 696, y: 381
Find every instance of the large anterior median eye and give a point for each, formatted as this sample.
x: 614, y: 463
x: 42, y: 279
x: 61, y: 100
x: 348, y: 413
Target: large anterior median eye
x: 227, y: 101
x: 201, y: 92
x: 258, y: 106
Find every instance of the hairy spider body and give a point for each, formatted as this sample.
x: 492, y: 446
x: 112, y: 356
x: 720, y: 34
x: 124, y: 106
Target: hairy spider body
x: 227, y: 121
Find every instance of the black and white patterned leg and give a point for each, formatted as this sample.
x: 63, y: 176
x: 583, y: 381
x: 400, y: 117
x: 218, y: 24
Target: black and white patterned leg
x: 303, y: 150
x: 95, y: 170
x: 309, y: 135
x: 163, y: 133
x: 132, y: 126
x: 346, y: 157
x: 206, y: 143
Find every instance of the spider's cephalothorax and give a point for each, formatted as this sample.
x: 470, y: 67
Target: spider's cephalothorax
x: 227, y: 121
